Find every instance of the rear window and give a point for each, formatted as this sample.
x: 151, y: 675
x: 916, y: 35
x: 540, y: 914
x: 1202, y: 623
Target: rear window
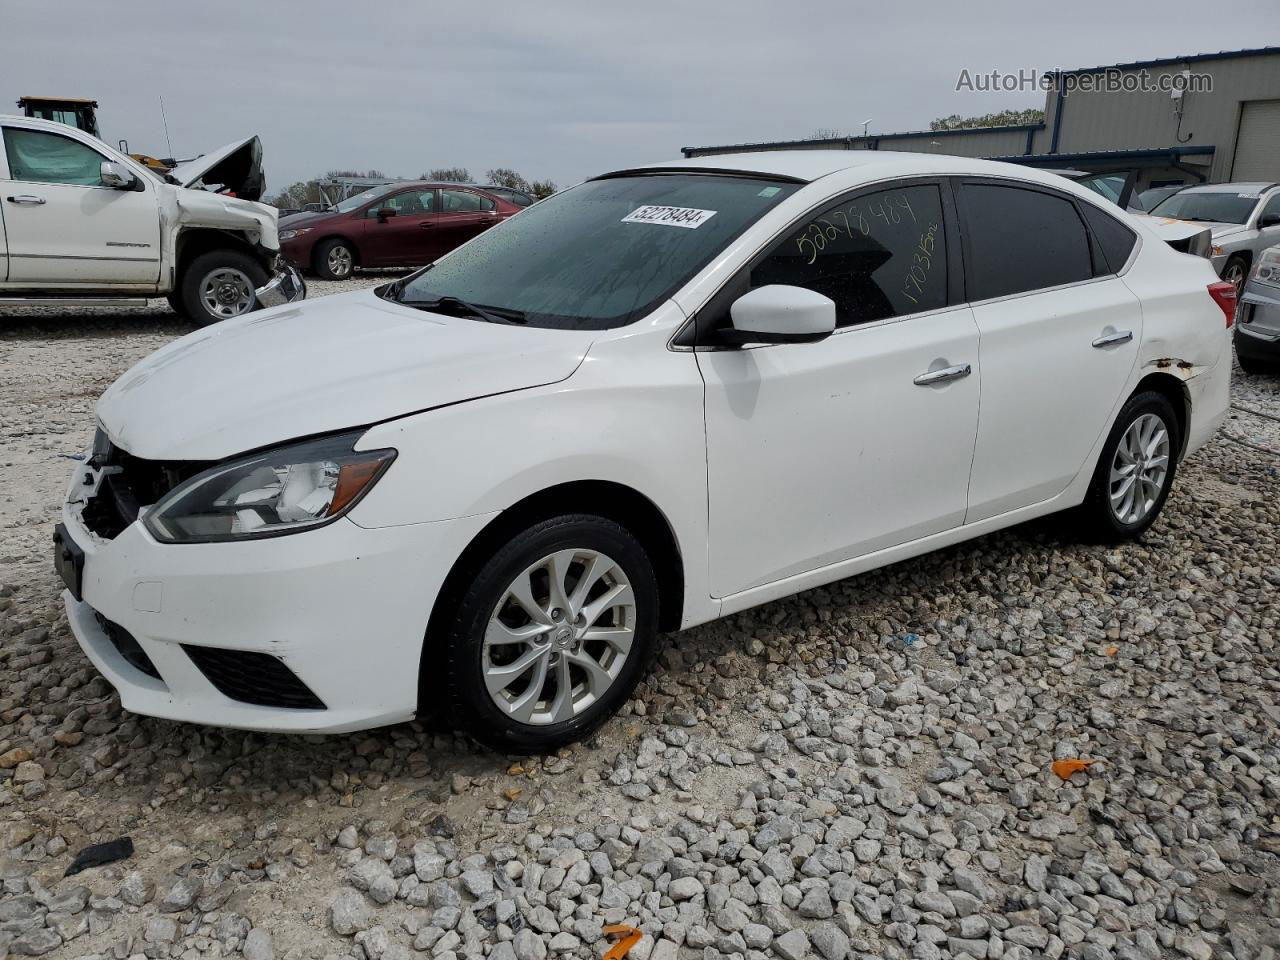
x: 1114, y: 238
x: 1018, y: 240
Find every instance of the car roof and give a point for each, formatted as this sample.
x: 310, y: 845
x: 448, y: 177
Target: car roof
x: 1252, y: 186
x: 807, y: 166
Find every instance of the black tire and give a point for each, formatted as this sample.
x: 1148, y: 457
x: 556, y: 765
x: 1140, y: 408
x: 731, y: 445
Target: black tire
x: 239, y: 269
x: 334, y: 259
x: 473, y: 708
x: 1097, y: 514
x: 1254, y: 365
x: 1236, y: 270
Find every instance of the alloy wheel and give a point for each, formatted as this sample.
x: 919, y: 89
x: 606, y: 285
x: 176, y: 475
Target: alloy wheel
x: 559, y: 636
x: 1139, y: 469
x: 340, y: 261
x: 226, y: 292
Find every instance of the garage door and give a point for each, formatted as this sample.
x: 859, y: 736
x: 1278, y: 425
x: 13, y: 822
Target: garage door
x: 1258, y: 144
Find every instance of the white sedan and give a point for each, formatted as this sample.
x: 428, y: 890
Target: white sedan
x: 662, y: 396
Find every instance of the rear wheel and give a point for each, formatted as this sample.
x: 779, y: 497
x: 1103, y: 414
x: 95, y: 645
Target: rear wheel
x: 552, y: 634
x: 335, y: 259
x: 218, y: 285
x: 1136, y: 470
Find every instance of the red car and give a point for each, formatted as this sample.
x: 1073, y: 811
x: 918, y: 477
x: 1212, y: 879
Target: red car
x: 405, y: 224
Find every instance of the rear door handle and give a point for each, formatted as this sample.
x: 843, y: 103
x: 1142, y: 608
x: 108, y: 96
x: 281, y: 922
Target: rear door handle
x: 25, y: 198
x: 426, y: 223
x: 934, y: 377
x: 1111, y: 339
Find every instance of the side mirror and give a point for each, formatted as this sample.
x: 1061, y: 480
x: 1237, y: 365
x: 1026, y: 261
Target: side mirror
x: 781, y: 314
x: 115, y: 176
x: 385, y: 214
x: 1269, y: 220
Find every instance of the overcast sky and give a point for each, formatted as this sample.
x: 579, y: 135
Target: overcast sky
x: 558, y: 89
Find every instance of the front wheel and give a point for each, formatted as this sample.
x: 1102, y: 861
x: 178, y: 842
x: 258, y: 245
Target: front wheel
x: 552, y: 634
x: 334, y: 259
x: 219, y: 285
x: 1236, y: 271
x: 1136, y: 470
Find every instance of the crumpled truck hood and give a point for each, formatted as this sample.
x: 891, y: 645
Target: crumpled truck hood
x: 237, y: 166
x: 318, y: 367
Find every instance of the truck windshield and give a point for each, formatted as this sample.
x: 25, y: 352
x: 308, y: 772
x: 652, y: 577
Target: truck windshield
x: 1212, y: 206
x: 600, y: 255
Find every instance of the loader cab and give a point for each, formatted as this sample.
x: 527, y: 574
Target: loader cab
x: 73, y: 111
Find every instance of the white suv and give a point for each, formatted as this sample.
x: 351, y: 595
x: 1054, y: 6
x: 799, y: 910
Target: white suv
x: 660, y: 397
x: 80, y: 221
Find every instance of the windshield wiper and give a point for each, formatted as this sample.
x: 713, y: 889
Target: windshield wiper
x: 488, y: 314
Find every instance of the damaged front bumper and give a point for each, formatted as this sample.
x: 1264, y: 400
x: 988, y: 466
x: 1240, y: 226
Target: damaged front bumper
x: 285, y: 286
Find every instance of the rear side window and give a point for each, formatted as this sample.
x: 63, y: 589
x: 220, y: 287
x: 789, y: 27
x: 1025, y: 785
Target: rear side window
x: 463, y: 201
x: 1018, y: 240
x: 877, y: 255
x: 1114, y: 238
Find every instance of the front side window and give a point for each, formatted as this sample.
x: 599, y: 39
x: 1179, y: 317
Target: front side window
x: 1272, y: 209
x: 600, y: 255
x: 39, y: 157
x: 1208, y: 206
x: 877, y: 255
x: 1018, y: 240
x: 463, y: 201
x: 410, y: 203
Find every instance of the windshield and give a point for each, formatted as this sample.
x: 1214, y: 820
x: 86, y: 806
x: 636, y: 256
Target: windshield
x: 600, y: 255
x: 360, y: 199
x: 1210, y: 205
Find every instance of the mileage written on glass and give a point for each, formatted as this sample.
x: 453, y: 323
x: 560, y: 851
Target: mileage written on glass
x: 879, y: 255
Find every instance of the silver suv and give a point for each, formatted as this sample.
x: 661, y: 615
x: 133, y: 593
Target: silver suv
x: 1244, y: 218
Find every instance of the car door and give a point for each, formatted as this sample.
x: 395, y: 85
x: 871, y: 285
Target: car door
x: 1060, y: 334
x: 64, y: 226
x: 821, y: 452
x: 399, y: 230
x: 463, y: 215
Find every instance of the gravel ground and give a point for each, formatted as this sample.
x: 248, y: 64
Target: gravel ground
x: 863, y: 770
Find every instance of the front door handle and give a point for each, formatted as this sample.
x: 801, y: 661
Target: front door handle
x: 25, y: 198
x: 425, y: 224
x: 1111, y: 339
x: 946, y: 374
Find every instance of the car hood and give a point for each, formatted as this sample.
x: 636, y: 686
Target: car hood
x: 295, y: 220
x: 320, y: 366
x: 237, y: 166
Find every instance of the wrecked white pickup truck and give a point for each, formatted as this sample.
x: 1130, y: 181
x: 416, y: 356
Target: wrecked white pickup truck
x: 83, y: 223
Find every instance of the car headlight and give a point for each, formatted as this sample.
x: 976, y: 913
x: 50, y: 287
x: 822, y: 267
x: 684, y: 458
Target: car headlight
x: 267, y: 494
x: 290, y: 234
x: 1268, y: 268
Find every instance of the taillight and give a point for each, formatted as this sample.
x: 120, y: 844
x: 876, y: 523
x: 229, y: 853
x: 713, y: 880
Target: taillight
x: 1224, y: 295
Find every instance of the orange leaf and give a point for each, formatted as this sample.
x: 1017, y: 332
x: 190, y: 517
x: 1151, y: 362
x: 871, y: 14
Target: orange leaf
x: 1110, y: 651
x: 625, y: 938
x: 1065, y: 768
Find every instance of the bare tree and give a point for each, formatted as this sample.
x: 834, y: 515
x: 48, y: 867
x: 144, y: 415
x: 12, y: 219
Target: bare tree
x: 448, y: 175
x: 1004, y: 118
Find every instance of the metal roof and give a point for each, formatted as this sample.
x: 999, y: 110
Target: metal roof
x: 847, y: 142
x: 1189, y: 58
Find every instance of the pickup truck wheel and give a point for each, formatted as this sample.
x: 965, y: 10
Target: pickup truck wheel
x: 334, y: 259
x: 219, y: 285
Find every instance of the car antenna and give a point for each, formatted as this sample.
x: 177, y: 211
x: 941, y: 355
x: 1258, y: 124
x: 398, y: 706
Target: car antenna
x: 168, y: 143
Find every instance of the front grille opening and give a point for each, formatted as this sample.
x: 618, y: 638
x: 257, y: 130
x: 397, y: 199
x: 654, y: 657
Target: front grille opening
x: 251, y: 677
x: 130, y: 483
x: 128, y: 648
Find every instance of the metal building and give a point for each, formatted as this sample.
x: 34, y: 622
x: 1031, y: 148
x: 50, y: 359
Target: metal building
x: 1208, y: 117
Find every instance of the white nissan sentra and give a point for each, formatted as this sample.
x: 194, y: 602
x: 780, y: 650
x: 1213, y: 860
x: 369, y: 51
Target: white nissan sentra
x: 657, y: 398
